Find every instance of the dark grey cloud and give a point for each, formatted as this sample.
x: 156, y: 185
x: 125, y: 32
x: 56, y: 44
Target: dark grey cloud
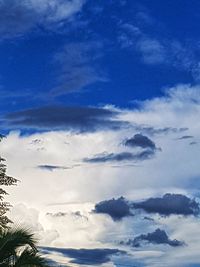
x: 85, y: 256
x: 148, y: 218
x: 78, y: 119
x: 77, y: 64
x: 123, y: 156
x: 20, y: 16
x: 117, y: 209
x: 54, y: 167
x: 193, y: 143
x: 157, y: 237
x: 139, y: 140
x: 169, y: 204
x: 185, y: 137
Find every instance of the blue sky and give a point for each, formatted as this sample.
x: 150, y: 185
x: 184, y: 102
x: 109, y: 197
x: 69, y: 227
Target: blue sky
x: 122, y: 51
x: 100, y: 102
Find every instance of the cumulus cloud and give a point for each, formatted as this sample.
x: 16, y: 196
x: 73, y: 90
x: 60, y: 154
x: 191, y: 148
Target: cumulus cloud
x: 65, y: 228
x: 18, y: 17
x: 169, y: 204
x: 26, y: 216
x: 79, y: 119
x: 86, y: 256
x: 157, y: 237
x: 117, y: 209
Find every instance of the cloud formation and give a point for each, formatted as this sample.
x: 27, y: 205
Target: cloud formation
x: 117, y: 209
x: 139, y: 140
x: 159, y: 131
x: 85, y: 256
x: 185, y: 137
x: 75, y: 214
x: 157, y: 237
x: 18, y: 17
x: 169, y: 204
x: 119, y: 157
x: 148, y: 151
x: 79, y: 119
x: 166, y: 118
x: 53, y: 167
x: 77, y: 63
x: 154, y: 50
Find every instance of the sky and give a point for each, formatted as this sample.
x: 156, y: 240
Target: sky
x: 100, y: 103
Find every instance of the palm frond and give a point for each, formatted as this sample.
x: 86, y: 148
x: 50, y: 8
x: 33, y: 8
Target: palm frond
x: 29, y: 258
x: 11, y: 240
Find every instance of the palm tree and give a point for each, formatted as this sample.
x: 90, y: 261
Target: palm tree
x: 18, y: 249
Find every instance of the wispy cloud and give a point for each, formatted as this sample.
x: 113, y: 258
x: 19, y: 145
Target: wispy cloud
x: 152, y: 51
x: 78, y: 68
x: 159, y: 50
x: 18, y: 17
